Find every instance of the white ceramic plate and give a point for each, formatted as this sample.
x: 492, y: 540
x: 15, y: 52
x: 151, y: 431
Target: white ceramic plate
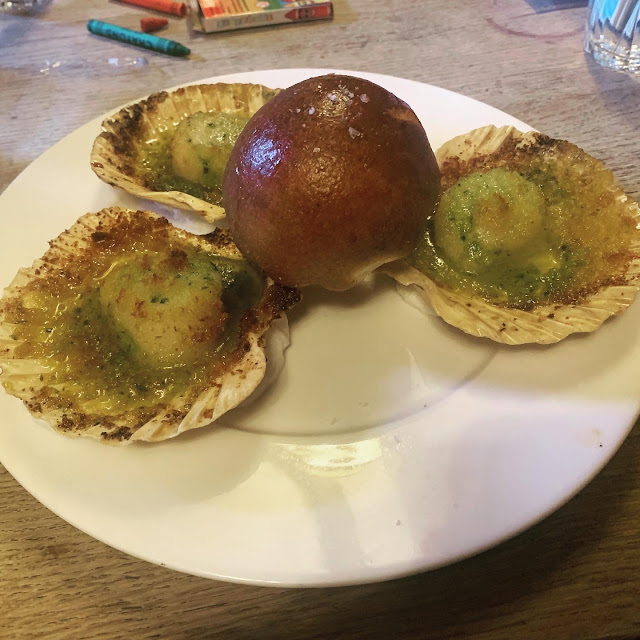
x: 391, y: 444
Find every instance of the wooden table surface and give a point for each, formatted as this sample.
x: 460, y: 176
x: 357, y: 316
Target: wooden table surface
x: 576, y: 575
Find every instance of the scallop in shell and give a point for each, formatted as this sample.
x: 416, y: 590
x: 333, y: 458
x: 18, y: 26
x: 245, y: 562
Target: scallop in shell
x: 566, y: 264
x: 131, y: 329
x: 134, y: 152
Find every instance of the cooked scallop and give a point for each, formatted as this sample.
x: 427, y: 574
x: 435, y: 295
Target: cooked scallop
x: 172, y: 147
x: 201, y: 146
x: 131, y: 329
x: 531, y: 241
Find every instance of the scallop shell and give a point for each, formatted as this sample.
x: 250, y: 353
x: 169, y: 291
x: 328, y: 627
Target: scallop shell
x: 544, y: 324
x: 115, y: 150
x: 227, y: 385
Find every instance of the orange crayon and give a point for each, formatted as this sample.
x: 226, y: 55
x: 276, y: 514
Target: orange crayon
x: 166, y: 6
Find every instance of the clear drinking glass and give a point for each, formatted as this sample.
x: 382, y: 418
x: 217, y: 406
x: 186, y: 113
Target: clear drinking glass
x: 613, y: 34
x: 22, y: 6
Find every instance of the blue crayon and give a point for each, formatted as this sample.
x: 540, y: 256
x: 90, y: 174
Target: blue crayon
x: 130, y: 36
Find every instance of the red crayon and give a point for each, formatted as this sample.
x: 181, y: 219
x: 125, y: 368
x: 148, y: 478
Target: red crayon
x: 166, y: 6
x: 310, y: 13
x: 149, y: 25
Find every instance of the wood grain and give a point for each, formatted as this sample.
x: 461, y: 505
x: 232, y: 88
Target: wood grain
x: 574, y: 575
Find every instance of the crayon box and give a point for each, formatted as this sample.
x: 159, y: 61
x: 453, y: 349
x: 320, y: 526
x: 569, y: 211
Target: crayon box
x: 226, y: 15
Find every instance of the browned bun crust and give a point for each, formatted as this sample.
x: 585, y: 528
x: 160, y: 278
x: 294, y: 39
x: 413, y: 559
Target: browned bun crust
x: 330, y: 179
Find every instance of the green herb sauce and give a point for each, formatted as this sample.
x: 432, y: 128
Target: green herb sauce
x: 525, y: 237
x: 137, y: 330
x: 191, y: 157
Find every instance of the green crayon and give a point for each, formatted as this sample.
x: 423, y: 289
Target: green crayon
x: 130, y: 36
